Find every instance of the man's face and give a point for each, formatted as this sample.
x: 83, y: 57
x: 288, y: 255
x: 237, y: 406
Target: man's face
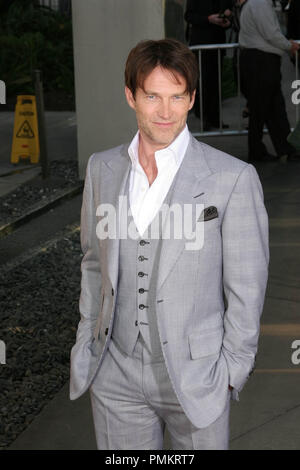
x: 161, y: 108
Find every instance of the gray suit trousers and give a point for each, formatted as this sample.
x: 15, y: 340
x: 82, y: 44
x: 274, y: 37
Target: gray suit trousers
x: 133, y: 401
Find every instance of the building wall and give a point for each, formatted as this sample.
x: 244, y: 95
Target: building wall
x: 104, y: 32
x: 174, y: 19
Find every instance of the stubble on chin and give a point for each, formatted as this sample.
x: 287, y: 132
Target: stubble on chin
x: 154, y: 137
x: 158, y: 138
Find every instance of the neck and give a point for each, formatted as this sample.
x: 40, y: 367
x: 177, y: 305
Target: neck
x: 147, y: 149
x: 147, y: 158
x: 147, y: 154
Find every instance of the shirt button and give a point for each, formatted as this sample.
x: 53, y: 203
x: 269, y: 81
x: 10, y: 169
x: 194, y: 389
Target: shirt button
x: 141, y: 258
x: 141, y: 291
x: 141, y: 307
x: 140, y: 274
x: 142, y: 242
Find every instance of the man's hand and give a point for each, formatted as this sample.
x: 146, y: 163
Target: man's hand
x: 227, y: 12
x: 215, y: 19
x: 295, y: 47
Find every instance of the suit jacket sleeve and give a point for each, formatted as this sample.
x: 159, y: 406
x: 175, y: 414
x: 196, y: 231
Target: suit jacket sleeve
x: 90, y: 297
x: 245, y: 274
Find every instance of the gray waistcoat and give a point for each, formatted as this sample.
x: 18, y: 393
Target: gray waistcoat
x: 136, y: 298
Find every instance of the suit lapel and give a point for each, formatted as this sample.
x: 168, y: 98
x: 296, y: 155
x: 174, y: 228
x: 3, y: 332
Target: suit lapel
x: 117, y: 171
x: 190, y: 182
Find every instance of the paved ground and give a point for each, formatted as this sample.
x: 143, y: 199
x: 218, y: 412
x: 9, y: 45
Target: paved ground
x: 61, y: 143
x: 268, y: 414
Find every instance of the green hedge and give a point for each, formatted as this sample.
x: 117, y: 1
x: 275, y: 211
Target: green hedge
x: 35, y: 37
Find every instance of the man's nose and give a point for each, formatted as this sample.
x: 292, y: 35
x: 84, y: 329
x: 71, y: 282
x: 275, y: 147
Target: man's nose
x: 165, y: 110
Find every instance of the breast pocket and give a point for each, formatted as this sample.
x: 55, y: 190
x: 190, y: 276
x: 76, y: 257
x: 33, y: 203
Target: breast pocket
x: 213, y: 224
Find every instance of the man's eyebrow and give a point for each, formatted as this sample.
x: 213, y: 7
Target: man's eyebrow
x: 148, y: 92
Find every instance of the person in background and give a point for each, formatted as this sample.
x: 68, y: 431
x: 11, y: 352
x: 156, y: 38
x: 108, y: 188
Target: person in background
x: 285, y: 4
x: 263, y: 45
x: 293, y: 20
x: 209, y: 21
x: 234, y: 37
x: 293, y: 25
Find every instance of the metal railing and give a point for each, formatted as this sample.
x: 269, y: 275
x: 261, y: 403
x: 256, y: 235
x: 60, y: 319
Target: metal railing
x: 220, y: 47
x: 53, y: 4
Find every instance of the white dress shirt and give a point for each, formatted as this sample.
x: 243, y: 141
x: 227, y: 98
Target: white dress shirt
x: 145, y: 200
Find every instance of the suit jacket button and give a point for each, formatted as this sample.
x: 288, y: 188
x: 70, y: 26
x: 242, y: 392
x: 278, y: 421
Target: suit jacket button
x: 136, y: 323
x: 112, y: 292
x: 106, y: 331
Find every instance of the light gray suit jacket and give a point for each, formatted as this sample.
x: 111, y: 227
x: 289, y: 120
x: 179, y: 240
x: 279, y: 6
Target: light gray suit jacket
x: 209, y: 301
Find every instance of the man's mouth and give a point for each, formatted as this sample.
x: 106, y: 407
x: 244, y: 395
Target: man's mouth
x: 163, y: 124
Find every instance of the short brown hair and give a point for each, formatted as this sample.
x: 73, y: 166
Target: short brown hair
x: 170, y: 54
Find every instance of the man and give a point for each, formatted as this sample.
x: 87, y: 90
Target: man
x: 293, y: 25
x: 293, y: 20
x: 262, y: 45
x: 208, y: 26
x: 168, y: 330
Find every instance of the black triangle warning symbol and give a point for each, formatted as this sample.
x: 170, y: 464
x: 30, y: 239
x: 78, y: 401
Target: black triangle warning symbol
x: 25, y: 131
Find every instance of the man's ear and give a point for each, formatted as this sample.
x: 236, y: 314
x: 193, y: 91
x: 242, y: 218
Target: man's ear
x: 192, y: 99
x: 130, y: 98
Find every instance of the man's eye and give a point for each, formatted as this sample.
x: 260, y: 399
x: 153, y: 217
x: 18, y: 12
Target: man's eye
x: 151, y: 97
x: 177, y: 98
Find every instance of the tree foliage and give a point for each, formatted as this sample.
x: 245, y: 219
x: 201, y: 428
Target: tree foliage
x: 35, y: 37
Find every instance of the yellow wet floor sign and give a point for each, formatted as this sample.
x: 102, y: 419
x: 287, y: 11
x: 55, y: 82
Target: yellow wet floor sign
x: 25, y: 138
